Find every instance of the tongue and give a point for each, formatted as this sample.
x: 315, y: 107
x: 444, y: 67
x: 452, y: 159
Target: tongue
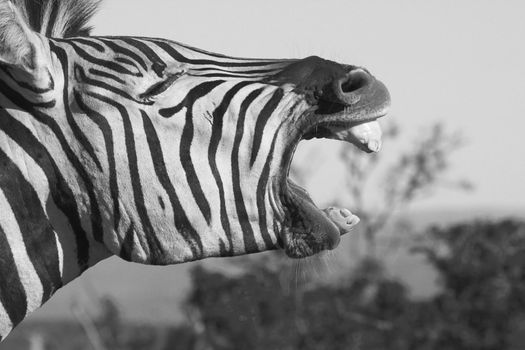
x: 366, y: 136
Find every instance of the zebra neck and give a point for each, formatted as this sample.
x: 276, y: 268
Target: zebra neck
x: 43, y: 244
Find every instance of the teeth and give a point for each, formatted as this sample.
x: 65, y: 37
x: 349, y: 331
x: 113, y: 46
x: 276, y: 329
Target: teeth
x: 368, y: 134
x: 345, y: 213
x: 374, y: 146
x: 342, y: 218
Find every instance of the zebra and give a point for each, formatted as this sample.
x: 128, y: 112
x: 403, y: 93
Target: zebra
x: 156, y: 151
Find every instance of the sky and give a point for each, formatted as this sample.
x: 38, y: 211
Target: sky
x: 460, y: 62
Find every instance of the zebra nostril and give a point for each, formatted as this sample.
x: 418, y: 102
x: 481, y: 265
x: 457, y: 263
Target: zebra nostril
x: 354, y: 81
x: 346, y: 89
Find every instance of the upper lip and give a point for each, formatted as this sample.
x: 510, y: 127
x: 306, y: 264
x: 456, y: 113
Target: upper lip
x: 372, y: 103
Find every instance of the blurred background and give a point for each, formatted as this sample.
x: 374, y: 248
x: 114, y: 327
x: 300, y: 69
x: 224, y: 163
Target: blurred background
x: 438, y: 260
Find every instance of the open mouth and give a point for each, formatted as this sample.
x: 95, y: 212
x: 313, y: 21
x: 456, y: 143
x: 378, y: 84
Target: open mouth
x: 351, y: 118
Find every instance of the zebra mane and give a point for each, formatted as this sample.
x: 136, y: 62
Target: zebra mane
x: 58, y: 18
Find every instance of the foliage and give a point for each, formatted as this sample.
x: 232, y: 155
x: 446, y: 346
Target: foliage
x: 482, y: 267
x: 480, y: 306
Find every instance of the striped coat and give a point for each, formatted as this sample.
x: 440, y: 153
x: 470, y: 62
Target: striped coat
x: 155, y: 151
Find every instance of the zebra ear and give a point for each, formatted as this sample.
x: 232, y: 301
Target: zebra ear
x: 20, y: 47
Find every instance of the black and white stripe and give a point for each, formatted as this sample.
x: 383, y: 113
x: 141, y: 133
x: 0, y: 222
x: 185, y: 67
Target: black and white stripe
x: 102, y: 168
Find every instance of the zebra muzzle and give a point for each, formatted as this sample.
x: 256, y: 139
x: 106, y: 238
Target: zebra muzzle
x: 346, y: 103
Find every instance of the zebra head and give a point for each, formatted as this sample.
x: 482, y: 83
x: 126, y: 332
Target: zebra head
x: 164, y: 153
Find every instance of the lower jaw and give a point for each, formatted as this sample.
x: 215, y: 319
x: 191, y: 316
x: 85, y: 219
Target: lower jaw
x: 307, y: 229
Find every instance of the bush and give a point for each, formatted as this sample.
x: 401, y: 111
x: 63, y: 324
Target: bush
x: 480, y: 305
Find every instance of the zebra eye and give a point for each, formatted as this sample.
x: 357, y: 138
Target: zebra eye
x: 158, y: 88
